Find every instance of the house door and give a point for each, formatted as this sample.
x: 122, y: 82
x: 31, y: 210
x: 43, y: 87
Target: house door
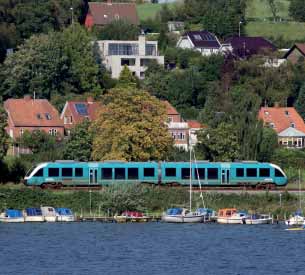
x: 225, y: 176
x: 92, y: 176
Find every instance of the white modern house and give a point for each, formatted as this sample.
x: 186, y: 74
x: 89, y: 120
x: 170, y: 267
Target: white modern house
x: 202, y: 41
x: 135, y: 54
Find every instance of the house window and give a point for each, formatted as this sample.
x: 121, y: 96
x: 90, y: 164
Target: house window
x: 123, y: 49
x: 142, y: 74
x: 150, y: 49
x: 39, y: 116
x: 128, y: 61
x: 53, y: 132
x: 48, y: 116
x: 145, y: 62
x: 271, y: 125
x: 21, y: 132
x: 170, y: 119
x: 292, y: 125
x: 68, y: 120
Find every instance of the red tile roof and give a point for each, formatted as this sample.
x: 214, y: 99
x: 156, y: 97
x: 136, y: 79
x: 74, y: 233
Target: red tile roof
x: 170, y: 109
x: 27, y: 112
x: 282, y: 118
x: 299, y: 46
x: 195, y: 124
x: 105, y: 13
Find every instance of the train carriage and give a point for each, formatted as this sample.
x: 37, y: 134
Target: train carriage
x: 71, y: 173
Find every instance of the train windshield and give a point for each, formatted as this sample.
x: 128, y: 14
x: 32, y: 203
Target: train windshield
x: 279, y: 173
x: 30, y: 171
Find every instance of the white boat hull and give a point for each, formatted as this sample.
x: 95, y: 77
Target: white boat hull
x: 34, y: 219
x: 13, y: 220
x: 296, y: 220
x: 228, y: 220
x: 182, y: 219
x: 65, y: 218
x: 50, y: 218
x: 258, y: 221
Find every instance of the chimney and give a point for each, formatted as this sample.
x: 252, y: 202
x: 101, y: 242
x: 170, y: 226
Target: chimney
x: 90, y: 100
x: 27, y: 97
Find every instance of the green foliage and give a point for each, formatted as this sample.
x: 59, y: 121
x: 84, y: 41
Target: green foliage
x: 126, y: 79
x: 117, y: 30
x: 79, y: 145
x: 4, y: 139
x: 268, y: 145
x: 300, y: 102
x: 219, y: 144
x: 287, y: 158
x: 297, y: 10
x: 131, y: 127
x: 57, y: 63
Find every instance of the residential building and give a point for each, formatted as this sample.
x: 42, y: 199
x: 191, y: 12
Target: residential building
x: 75, y: 112
x: 203, y: 41
x: 296, y: 53
x: 135, y: 54
x: 183, y: 132
x: 175, y: 26
x: 101, y: 14
x: 244, y: 47
x: 287, y: 123
x: 29, y: 114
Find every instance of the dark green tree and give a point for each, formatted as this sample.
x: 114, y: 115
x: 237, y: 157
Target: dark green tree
x: 4, y: 139
x: 79, y: 145
x: 268, y: 145
x: 300, y: 102
x: 297, y: 10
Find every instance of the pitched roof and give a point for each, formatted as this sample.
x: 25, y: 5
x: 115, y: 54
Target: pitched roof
x: 105, y: 13
x: 245, y: 46
x: 203, y: 39
x: 299, y: 46
x: 82, y: 109
x: 291, y: 132
x: 170, y: 109
x: 195, y: 124
x: 27, y: 112
x: 282, y: 118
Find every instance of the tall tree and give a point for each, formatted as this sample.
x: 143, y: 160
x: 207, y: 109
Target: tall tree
x: 79, y: 145
x: 131, y: 127
x: 4, y: 139
x: 300, y: 102
x: 297, y: 10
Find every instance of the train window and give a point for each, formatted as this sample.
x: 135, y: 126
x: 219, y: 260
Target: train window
x: 170, y: 172
x: 53, y: 172
x: 240, y: 172
x: 149, y: 172
x: 212, y: 173
x: 39, y: 173
x: 200, y: 172
x: 119, y: 173
x: 78, y: 172
x: 106, y: 173
x: 133, y: 173
x: 185, y: 173
x: 264, y: 172
x: 278, y: 173
x: 251, y: 172
x: 66, y: 172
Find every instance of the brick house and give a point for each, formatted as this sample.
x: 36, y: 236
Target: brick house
x: 75, y: 112
x: 296, y: 53
x: 183, y: 132
x: 29, y: 114
x: 101, y: 14
x: 287, y: 123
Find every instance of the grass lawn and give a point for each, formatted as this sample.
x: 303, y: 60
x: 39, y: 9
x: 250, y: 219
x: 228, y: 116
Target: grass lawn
x: 289, y: 30
x: 149, y: 10
x: 260, y: 9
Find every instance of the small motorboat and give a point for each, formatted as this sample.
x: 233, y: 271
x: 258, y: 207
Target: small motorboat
x: 65, y: 215
x: 33, y: 215
x: 49, y: 213
x: 231, y: 216
x: 11, y: 215
x: 131, y: 216
x: 259, y: 219
x: 296, y: 219
x: 182, y: 215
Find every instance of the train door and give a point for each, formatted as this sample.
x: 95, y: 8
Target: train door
x: 92, y: 176
x: 225, y: 176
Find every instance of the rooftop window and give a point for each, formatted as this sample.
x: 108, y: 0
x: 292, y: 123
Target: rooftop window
x: 198, y: 37
x: 81, y: 109
x: 39, y: 116
x: 286, y: 113
x: 48, y: 116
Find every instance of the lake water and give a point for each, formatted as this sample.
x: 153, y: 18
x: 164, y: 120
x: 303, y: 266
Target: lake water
x: 152, y: 248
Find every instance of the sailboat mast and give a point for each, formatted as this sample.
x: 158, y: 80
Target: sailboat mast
x: 190, y: 178
x: 300, y: 202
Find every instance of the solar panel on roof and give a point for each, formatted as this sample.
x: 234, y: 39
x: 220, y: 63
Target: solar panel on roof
x: 81, y: 108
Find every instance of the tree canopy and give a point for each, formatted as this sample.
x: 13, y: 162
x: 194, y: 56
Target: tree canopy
x: 130, y: 127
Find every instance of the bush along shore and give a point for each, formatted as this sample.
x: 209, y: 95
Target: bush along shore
x: 149, y: 199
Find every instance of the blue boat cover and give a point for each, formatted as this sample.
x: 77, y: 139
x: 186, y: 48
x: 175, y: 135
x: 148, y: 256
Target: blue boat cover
x: 174, y: 211
x: 33, y: 212
x: 205, y: 211
x: 63, y: 211
x: 12, y: 213
x: 298, y: 212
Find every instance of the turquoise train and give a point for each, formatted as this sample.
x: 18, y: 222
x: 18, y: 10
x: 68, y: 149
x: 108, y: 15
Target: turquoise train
x: 72, y: 173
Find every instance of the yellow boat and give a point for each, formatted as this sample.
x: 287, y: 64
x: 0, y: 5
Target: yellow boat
x: 295, y: 229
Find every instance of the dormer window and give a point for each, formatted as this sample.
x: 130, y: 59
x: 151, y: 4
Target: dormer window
x: 39, y: 116
x: 271, y: 125
x: 286, y: 113
x: 48, y: 116
x: 292, y: 125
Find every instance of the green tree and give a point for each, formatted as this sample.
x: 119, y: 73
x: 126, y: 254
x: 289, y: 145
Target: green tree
x: 126, y: 79
x: 297, y: 10
x: 4, y: 139
x: 300, y: 102
x: 268, y: 145
x: 117, y: 30
x: 131, y: 127
x: 79, y: 145
x: 218, y: 144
